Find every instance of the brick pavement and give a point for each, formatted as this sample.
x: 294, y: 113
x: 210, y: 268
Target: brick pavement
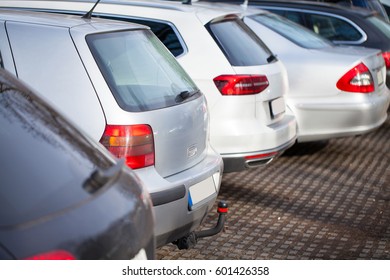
x: 323, y: 200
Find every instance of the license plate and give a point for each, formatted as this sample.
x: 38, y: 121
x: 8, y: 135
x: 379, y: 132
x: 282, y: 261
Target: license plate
x: 201, y: 191
x: 379, y: 75
x: 277, y: 106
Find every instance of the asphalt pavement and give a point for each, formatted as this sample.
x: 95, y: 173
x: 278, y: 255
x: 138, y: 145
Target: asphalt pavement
x: 321, y: 200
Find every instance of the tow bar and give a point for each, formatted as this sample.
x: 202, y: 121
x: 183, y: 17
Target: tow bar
x: 191, y: 239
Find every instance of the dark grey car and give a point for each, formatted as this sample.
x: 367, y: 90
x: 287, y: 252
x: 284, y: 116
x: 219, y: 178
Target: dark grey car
x: 62, y: 195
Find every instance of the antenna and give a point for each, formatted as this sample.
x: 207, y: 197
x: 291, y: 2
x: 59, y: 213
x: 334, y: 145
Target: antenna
x: 186, y: 2
x: 245, y: 4
x: 89, y: 14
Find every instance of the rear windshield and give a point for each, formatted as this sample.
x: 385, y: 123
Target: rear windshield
x: 44, y: 159
x: 141, y: 73
x: 240, y: 44
x: 297, y: 34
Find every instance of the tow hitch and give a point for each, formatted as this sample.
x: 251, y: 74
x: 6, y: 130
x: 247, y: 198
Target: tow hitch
x: 191, y: 239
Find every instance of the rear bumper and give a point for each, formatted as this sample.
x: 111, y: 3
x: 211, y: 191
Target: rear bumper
x: 182, y: 201
x: 325, y: 118
x: 240, y: 162
x: 249, y: 138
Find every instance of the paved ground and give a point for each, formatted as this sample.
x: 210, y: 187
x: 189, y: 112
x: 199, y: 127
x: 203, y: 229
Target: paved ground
x: 318, y: 201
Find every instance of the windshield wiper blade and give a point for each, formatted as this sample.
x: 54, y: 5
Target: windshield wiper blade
x: 185, y: 95
x: 272, y: 58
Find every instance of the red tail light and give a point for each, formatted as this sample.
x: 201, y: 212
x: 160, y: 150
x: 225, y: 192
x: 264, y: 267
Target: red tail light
x: 241, y: 84
x: 358, y: 79
x: 53, y: 255
x: 133, y: 142
x: 386, y: 57
x: 266, y: 155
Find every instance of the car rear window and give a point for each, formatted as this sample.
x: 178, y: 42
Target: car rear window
x: 45, y: 160
x: 297, y: 34
x: 141, y: 73
x: 240, y: 45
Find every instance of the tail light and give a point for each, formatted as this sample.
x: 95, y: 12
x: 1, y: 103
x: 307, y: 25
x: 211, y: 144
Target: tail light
x: 53, y: 255
x: 241, y: 84
x: 259, y: 156
x: 133, y: 142
x: 386, y: 57
x: 358, y: 79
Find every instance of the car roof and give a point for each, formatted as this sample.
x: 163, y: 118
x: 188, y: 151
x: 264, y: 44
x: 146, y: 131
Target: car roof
x: 203, y: 13
x: 66, y: 21
x: 319, y: 6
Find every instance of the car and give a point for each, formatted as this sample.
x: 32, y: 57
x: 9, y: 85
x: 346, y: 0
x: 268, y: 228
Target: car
x: 374, y: 5
x: 353, y: 26
x: 327, y: 93
x: 386, y: 6
x: 119, y: 83
x: 334, y: 101
x: 63, y: 195
x: 249, y: 125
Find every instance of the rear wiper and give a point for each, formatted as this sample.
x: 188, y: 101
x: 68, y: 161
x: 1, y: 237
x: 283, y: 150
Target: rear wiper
x: 100, y: 177
x: 185, y: 95
x: 271, y: 58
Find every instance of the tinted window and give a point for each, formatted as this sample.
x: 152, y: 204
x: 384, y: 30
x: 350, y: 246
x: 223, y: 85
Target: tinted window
x: 44, y: 160
x: 166, y: 34
x: 139, y: 70
x: 332, y: 28
x: 293, y: 16
x: 381, y: 25
x: 294, y: 32
x: 241, y: 46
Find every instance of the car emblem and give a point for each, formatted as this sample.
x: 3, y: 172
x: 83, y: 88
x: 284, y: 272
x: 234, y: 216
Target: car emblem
x: 192, y: 151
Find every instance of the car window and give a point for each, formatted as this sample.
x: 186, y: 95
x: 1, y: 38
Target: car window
x: 332, y: 28
x: 291, y: 15
x: 166, y: 34
x: 45, y: 160
x: 139, y: 70
x: 383, y: 26
x: 293, y: 32
x: 240, y: 45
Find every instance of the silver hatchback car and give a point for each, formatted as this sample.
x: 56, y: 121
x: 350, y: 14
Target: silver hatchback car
x: 119, y: 83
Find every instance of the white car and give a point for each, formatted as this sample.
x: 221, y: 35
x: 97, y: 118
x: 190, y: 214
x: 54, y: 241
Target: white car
x: 243, y: 81
x: 119, y: 83
x: 334, y: 91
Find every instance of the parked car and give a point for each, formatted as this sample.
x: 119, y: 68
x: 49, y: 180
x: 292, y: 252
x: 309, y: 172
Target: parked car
x: 328, y: 93
x: 342, y: 25
x: 63, y: 195
x: 121, y: 86
x: 242, y: 80
x: 386, y: 6
x: 374, y: 5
